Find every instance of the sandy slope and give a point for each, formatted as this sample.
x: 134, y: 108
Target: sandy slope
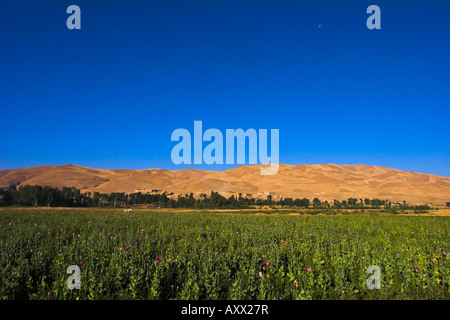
x: 325, y: 181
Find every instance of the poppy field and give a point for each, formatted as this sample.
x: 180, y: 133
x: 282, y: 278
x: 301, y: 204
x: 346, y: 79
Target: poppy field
x: 215, y: 256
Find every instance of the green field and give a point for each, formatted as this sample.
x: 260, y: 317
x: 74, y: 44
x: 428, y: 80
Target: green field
x: 207, y: 255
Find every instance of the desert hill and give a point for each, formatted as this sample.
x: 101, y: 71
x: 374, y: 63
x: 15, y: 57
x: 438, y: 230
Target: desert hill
x: 325, y: 181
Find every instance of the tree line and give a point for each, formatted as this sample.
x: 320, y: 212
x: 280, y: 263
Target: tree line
x: 73, y: 197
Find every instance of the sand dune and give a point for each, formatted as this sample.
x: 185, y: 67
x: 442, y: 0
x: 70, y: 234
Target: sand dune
x: 325, y: 181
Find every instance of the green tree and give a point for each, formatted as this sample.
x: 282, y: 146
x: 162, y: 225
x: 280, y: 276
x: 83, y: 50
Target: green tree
x: 337, y: 204
x: 316, y: 202
x: 352, y: 202
x: 289, y: 202
x: 269, y: 200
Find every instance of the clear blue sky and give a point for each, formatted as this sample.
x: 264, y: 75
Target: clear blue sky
x: 110, y: 95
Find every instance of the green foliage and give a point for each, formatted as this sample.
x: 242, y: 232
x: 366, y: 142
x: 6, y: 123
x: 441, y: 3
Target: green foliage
x: 147, y: 255
x: 45, y: 196
x: 72, y: 197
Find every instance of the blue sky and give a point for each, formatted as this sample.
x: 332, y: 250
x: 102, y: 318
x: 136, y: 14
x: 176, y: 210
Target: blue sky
x: 110, y: 95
